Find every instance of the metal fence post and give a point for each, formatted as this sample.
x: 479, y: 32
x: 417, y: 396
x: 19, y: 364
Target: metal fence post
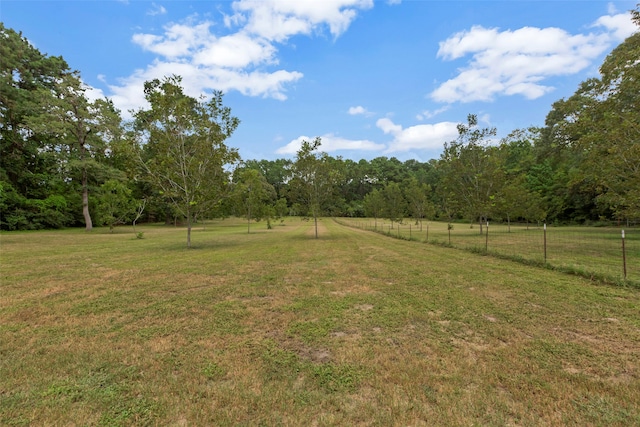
x: 545, y: 242
x: 624, y: 258
x: 486, y: 242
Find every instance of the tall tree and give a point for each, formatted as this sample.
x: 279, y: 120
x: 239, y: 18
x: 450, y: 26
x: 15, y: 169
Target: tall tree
x: 313, y: 180
x: 417, y: 196
x: 80, y: 132
x: 395, y: 205
x: 276, y: 172
x: 473, y: 174
x: 32, y: 192
x: 592, y: 137
x: 253, y: 196
x: 374, y: 205
x: 609, y: 129
x: 183, y: 150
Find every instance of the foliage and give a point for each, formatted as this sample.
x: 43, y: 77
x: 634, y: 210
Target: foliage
x: 116, y: 204
x: 473, y: 173
x: 79, y: 133
x: 29, y: 177
x: 253, y: 196
x: 374, y: 205
x: 181, y: 147
x: 417, y: 196
x: 395, y: 205
x: 58, y: 149
x: 313, y: 181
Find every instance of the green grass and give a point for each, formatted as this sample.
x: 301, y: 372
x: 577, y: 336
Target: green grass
x: 278, y: 328
x: 593, y: 252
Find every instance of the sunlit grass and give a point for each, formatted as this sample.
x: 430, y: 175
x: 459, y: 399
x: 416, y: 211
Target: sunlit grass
x: 278, y: 328
x: 589, y: 251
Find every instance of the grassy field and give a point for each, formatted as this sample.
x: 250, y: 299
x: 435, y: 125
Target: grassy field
x: 590, y: 251
x: 278, y: 328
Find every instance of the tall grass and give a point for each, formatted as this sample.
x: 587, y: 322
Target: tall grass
x: 278, y: 328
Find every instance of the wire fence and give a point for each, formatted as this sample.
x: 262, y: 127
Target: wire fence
x: 609, y: 253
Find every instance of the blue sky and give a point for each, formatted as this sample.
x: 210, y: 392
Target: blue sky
x: 371, y: 78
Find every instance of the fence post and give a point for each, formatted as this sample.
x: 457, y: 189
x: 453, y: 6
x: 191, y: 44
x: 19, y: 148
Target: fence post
x: 624, y: 258
x: 409, y: 231
x: 486, y: 243
x: 545, y: 242
x: 427, y: 233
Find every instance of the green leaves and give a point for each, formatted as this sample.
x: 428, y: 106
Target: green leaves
x: 314, y: 179
x: 182, y: 149
x: 598, y: 131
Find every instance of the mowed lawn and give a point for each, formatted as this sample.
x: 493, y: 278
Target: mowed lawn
x: 278, y: 328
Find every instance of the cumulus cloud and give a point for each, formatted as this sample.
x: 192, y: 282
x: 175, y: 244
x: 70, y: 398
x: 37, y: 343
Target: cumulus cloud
x: 277, y: 20
x: 518, y: 62
x: 359, y: 110
x: 331, y: 143
x: 178, y: 40
x: 419, y: 137
x: 619, y: 25
x: 244, y: 58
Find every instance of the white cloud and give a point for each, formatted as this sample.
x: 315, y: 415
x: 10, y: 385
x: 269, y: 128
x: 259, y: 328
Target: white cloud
x: 518, y: 62
x: 243, y: 58
x: 419, y: 137
x: 619, y: 25
x: 92, y: 93
x: 331, y: 143
x: 277, y: 20
x: 236, y: 51
x: 359, y: 110
x: 128, y: 94
x: 156, y: 10
x: 178, y: 40
x: 427, y: 114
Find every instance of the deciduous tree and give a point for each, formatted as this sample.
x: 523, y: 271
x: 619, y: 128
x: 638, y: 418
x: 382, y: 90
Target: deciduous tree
x: 253, y: 196
x: 313, y: 180
x: 115, y: 203
x: 473, y: 173
x: 183, y: 149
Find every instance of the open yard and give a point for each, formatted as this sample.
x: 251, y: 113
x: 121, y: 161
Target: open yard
x: 590, y: 251
x: 278, y: 328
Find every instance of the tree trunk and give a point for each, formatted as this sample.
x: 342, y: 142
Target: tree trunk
x: 85, y: 202
x: 315, y: 219
x: 249, y: 221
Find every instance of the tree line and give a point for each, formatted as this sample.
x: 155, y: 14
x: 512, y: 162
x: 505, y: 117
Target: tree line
x: 66, y: 160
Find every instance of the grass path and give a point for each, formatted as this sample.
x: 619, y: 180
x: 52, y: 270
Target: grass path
x: 277, y: 328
